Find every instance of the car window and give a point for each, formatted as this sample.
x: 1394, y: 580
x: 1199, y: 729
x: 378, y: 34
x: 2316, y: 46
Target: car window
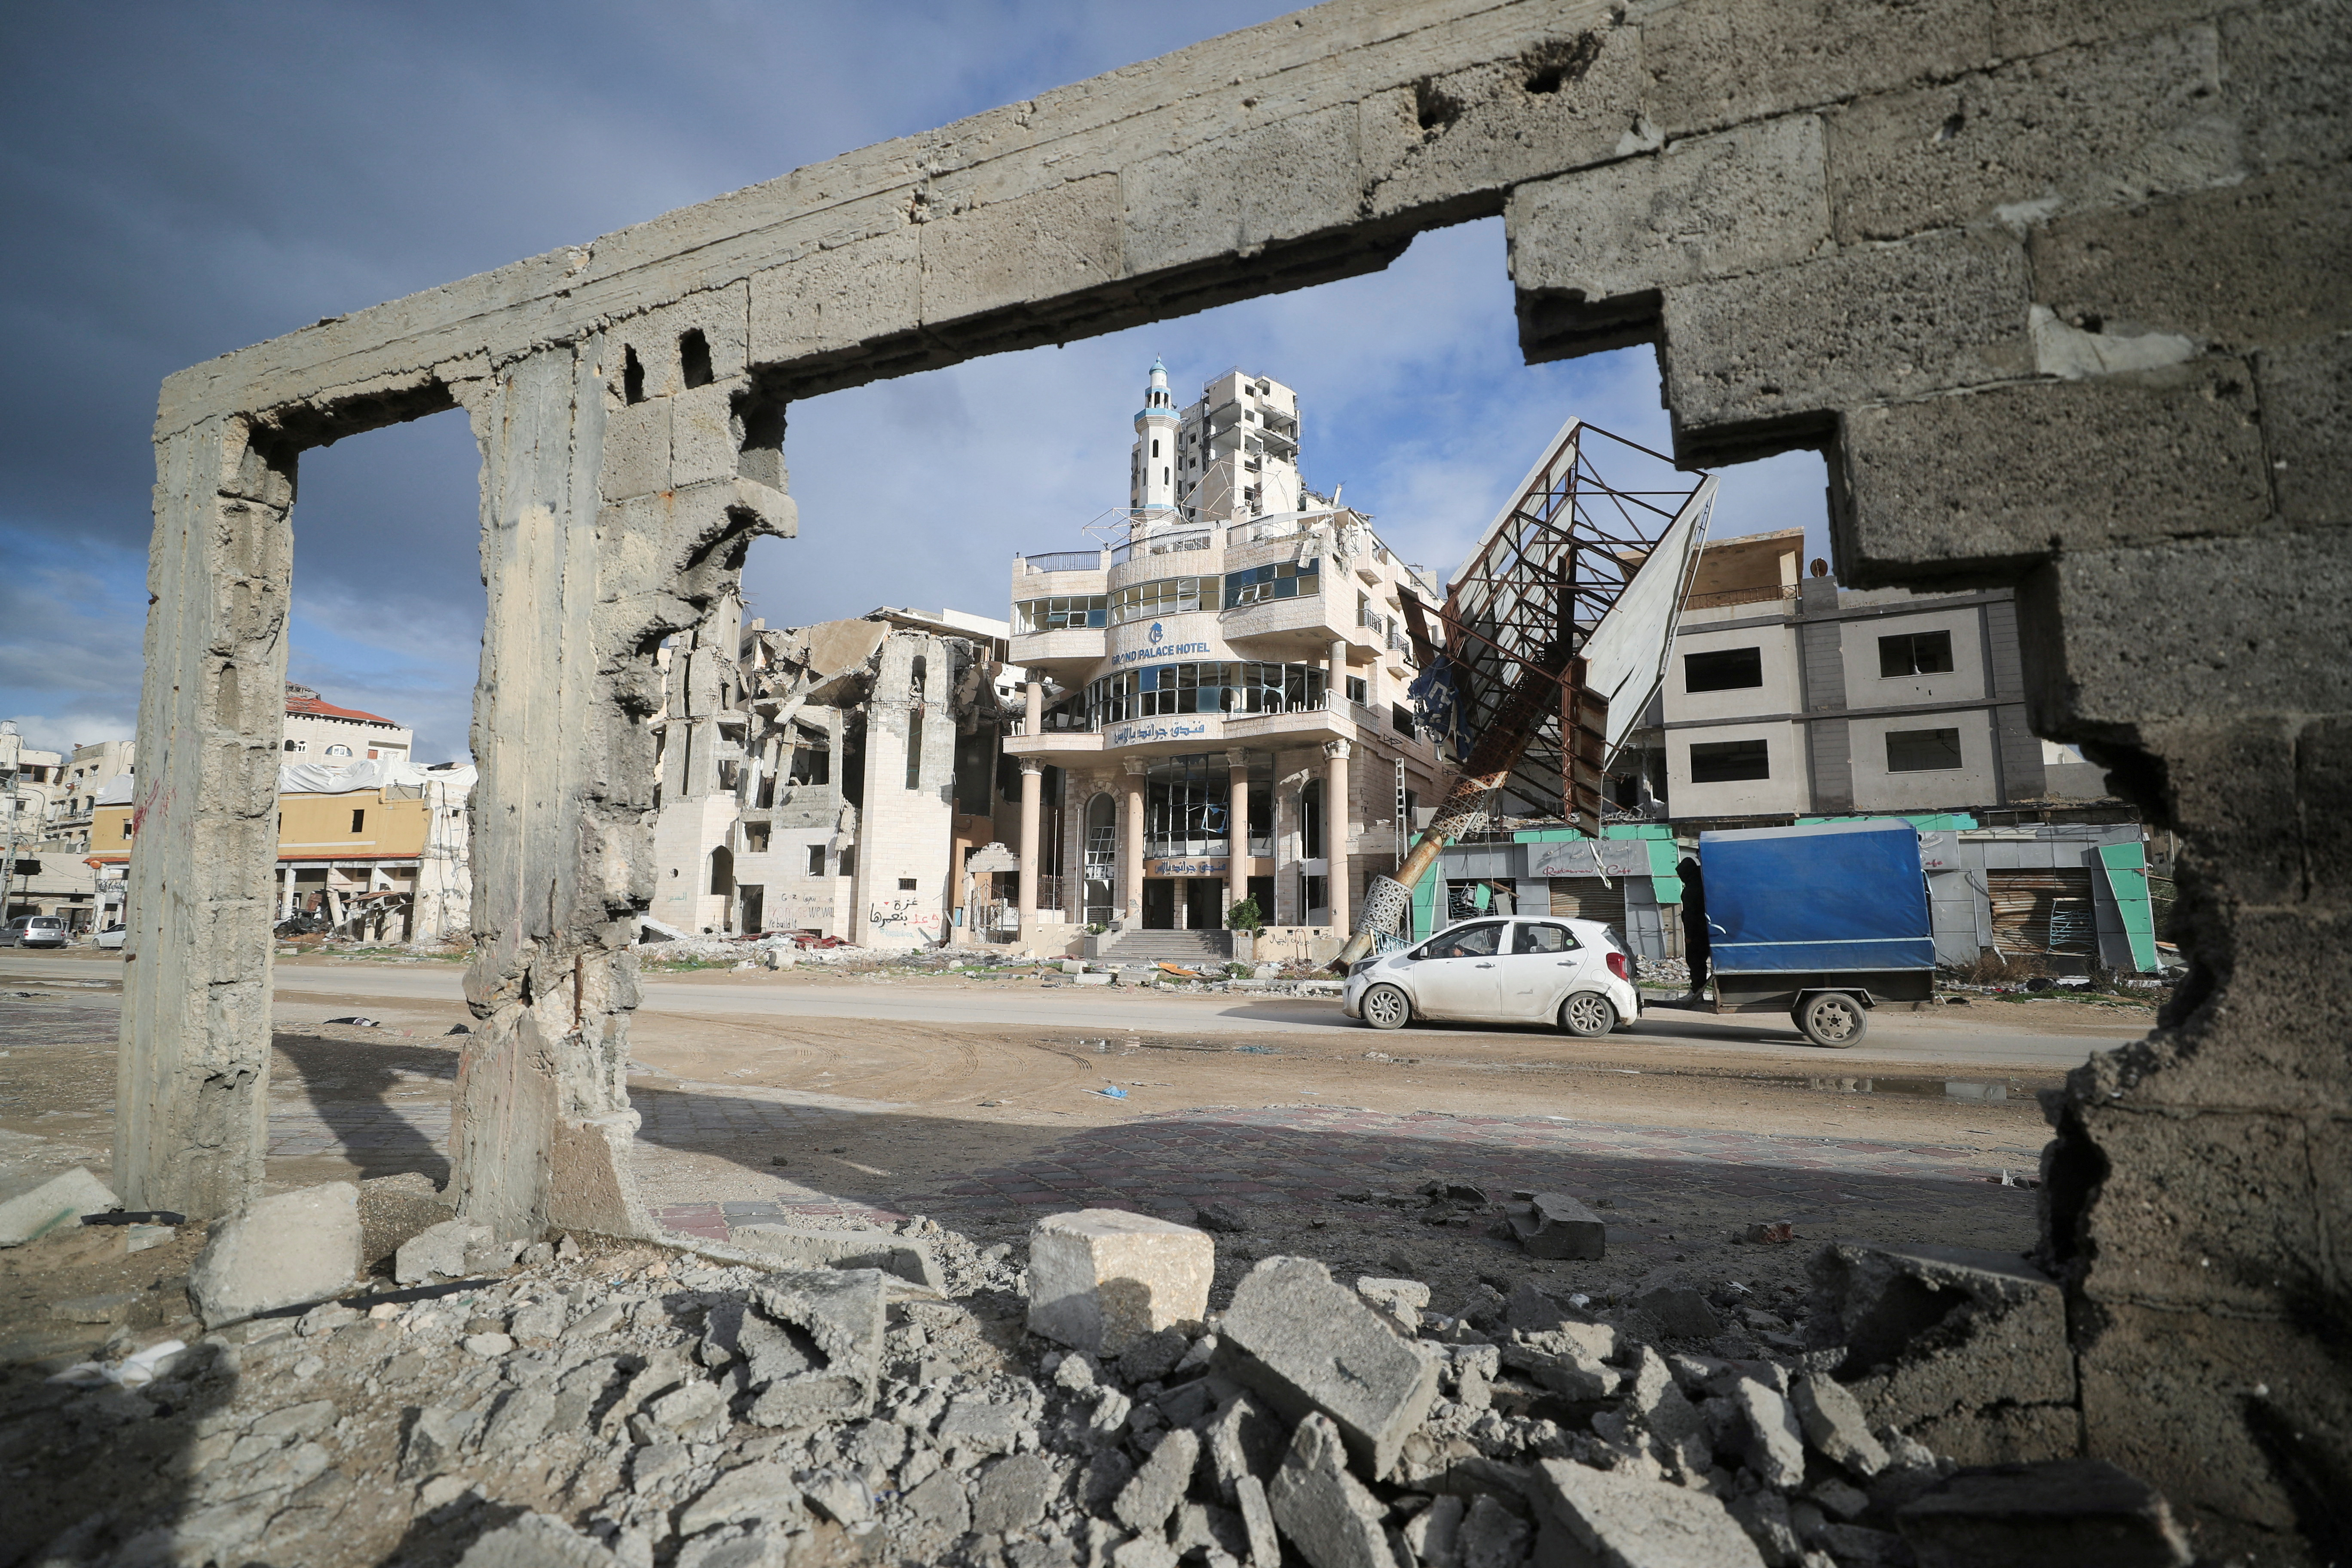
x: 1466, y: 941
x: 1539, y: 937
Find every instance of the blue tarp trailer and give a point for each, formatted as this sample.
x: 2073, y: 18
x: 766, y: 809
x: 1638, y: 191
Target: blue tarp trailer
x: 1823, y: 920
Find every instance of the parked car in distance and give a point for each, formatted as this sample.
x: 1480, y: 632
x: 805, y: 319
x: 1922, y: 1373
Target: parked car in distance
x: 111, y: 936
x: 34, y: 931
x: 1573, y: 974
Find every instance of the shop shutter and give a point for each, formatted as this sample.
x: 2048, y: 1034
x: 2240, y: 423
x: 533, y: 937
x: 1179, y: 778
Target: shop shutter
x: 1589, y: 898
x: 2043, y: 910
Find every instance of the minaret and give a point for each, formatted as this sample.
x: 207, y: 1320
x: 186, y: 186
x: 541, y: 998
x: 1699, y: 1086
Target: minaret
x: 1152, y: 474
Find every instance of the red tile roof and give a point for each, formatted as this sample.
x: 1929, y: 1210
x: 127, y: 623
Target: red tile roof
x: 325, y: 710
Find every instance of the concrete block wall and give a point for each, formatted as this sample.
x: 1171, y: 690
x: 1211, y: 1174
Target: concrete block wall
x: 2058, y: 288
x: 903, y: 833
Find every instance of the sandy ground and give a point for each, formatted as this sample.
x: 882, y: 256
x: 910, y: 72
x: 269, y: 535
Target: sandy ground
x: 786, y: 1097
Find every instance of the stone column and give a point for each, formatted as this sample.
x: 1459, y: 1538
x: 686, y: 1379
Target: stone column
x: 600, y: 535
x: 1336, y: 671
x: 1236, y: 827
x: 1131, y: 860
x: 191, y: 1067
x: 1335, y: 829
x: 1032, y: 786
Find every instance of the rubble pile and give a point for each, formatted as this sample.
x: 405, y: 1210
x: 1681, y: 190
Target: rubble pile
x: 636, y: 1405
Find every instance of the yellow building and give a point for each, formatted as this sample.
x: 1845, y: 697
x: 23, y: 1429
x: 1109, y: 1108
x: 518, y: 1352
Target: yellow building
x: 377, y: 850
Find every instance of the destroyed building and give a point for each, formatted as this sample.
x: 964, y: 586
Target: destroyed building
x: 834, y: 780
x: 1221, y: 710
x: 2057, y: 291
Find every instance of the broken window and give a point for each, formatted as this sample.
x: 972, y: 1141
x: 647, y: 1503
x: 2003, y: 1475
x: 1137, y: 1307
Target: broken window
x: 1916, y: 653
x: 811, y: 765
x: 906, y: 884
x: 816, y: 859
x: 694, y: 357
x: 1063, y: 612
x: 1728, y: 762
x: 848, y: 866
x: 915, y: 748
x: 1922, y: 751
x: 1358, y: 690
x: 1723, y: 670
x: 1282, y: 580
x: 755, y: 838
x: 1162, y: 597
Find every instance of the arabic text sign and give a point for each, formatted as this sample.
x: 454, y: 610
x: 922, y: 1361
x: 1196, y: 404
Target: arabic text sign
x: 1590, y: 858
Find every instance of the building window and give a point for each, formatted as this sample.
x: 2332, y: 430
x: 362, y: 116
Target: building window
x: 1281, y: 580
x: 906, y: 884
x: 755, y: 838
x: 915, y: 748
x: 1916, y: 653
x: 816, y: 859
x: 126, y: 828
x: 1923, y: 750
x: 1723, y: 670
x: 848, y: 866
x: 1728, y: 762
x: 1162, y: 597
x: 1063, y: 612
x: 341, y: 751
x: 290, y: 745
x: 1358, y: 691
x: 359, y: 820
x: 1310, y: 821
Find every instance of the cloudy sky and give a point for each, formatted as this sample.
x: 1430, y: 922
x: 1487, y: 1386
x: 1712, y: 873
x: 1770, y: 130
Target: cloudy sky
x: 181, y: 181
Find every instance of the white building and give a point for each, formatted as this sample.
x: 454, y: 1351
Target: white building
x: 319, y: 731
x: 1218, y: 708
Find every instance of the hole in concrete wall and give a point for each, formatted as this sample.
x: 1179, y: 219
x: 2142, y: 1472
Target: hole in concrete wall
x: 1557, y: 62
x: 633, y: 376
x: 694, y: 357
x: 1434, y: 108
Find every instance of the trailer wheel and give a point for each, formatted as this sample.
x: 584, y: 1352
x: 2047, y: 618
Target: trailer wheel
x: 1833, y: 1019
x: 1386, y: 1007
x: 1588, y: 1014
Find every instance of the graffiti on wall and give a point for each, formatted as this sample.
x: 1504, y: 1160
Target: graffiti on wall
x: 902, y: 920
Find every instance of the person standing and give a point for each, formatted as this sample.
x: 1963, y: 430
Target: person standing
x: 1697, y: 948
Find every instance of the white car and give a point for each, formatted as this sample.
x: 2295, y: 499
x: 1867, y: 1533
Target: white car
x: 1527, y: 970
x: 111, y: 937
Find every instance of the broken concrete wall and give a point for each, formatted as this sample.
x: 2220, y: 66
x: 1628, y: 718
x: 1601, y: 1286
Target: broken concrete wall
x: 2058, y: 288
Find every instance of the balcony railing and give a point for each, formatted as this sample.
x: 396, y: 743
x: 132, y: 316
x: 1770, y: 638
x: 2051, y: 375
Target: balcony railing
x: 1165, y: 544
x: 1184, y: 848
x: 1064, y: 561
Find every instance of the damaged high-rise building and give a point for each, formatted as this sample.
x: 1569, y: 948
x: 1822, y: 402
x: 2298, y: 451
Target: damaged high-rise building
x: 2057, y: 290
x: 833, y: 780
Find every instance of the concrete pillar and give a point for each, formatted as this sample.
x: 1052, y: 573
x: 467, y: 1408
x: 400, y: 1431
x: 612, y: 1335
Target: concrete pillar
x: 575, y: 487
x: 192, y: 1069
x: 285, y: 892
x: 1237, y: 830
x: 1032, y: 786
x: 1130, y: 860
x: 1335, y: 829
x: 1336, y: 671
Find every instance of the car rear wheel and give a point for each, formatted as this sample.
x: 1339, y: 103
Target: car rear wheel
x: 1588, y: 1014
x: 1386, y: 1007
x: 1833, y: 1019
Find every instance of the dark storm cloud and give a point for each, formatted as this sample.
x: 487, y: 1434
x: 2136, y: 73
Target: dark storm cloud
x: 181, y: 181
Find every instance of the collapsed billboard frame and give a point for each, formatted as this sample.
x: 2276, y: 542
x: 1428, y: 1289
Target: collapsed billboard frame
x: 1553, y: 638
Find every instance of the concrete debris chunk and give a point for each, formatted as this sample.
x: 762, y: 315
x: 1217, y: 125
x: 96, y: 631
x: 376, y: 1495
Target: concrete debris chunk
x: 438, y: 1250
x: 1964, y: 1349
x: 1308, y: 1344
x: 1764, y: 1515
x: 1013, y: 1494
x: 913, y: 1261
x: 1555, y: 1225
x: 1401, y: 1301
x: 1230, y: 1218
x: 1492, y: 1536
x: 1154, y: 1356
x: 764, y: 1490
x: 1832, y: 1423
x: 941, y: 1512
x: 1325, y: 1513
x: 280, y: 1251
x: 1145, y: 1501
x: 1681, y: 1311
x: 535, y: 1541
x: 833, y: 1320
x: 981, y: 1426
x: 1100, y: 1279
x: 433, y: 1439
x: 1243, y: 1440
x: 1433, y: 1533
x: 2064, y: 1513
x: 1665, y: 1409
x: 1257, y: 1522
x: 1774, y: 1447
x: 1629, y: 1521
x: 60, y: 1201
x: 840, y: 1498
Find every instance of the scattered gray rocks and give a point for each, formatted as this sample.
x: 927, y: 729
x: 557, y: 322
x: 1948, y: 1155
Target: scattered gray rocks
x: 739, y: 1409
x: 1553, y: 1225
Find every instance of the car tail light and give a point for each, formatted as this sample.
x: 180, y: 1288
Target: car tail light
x: 1618, y: 966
